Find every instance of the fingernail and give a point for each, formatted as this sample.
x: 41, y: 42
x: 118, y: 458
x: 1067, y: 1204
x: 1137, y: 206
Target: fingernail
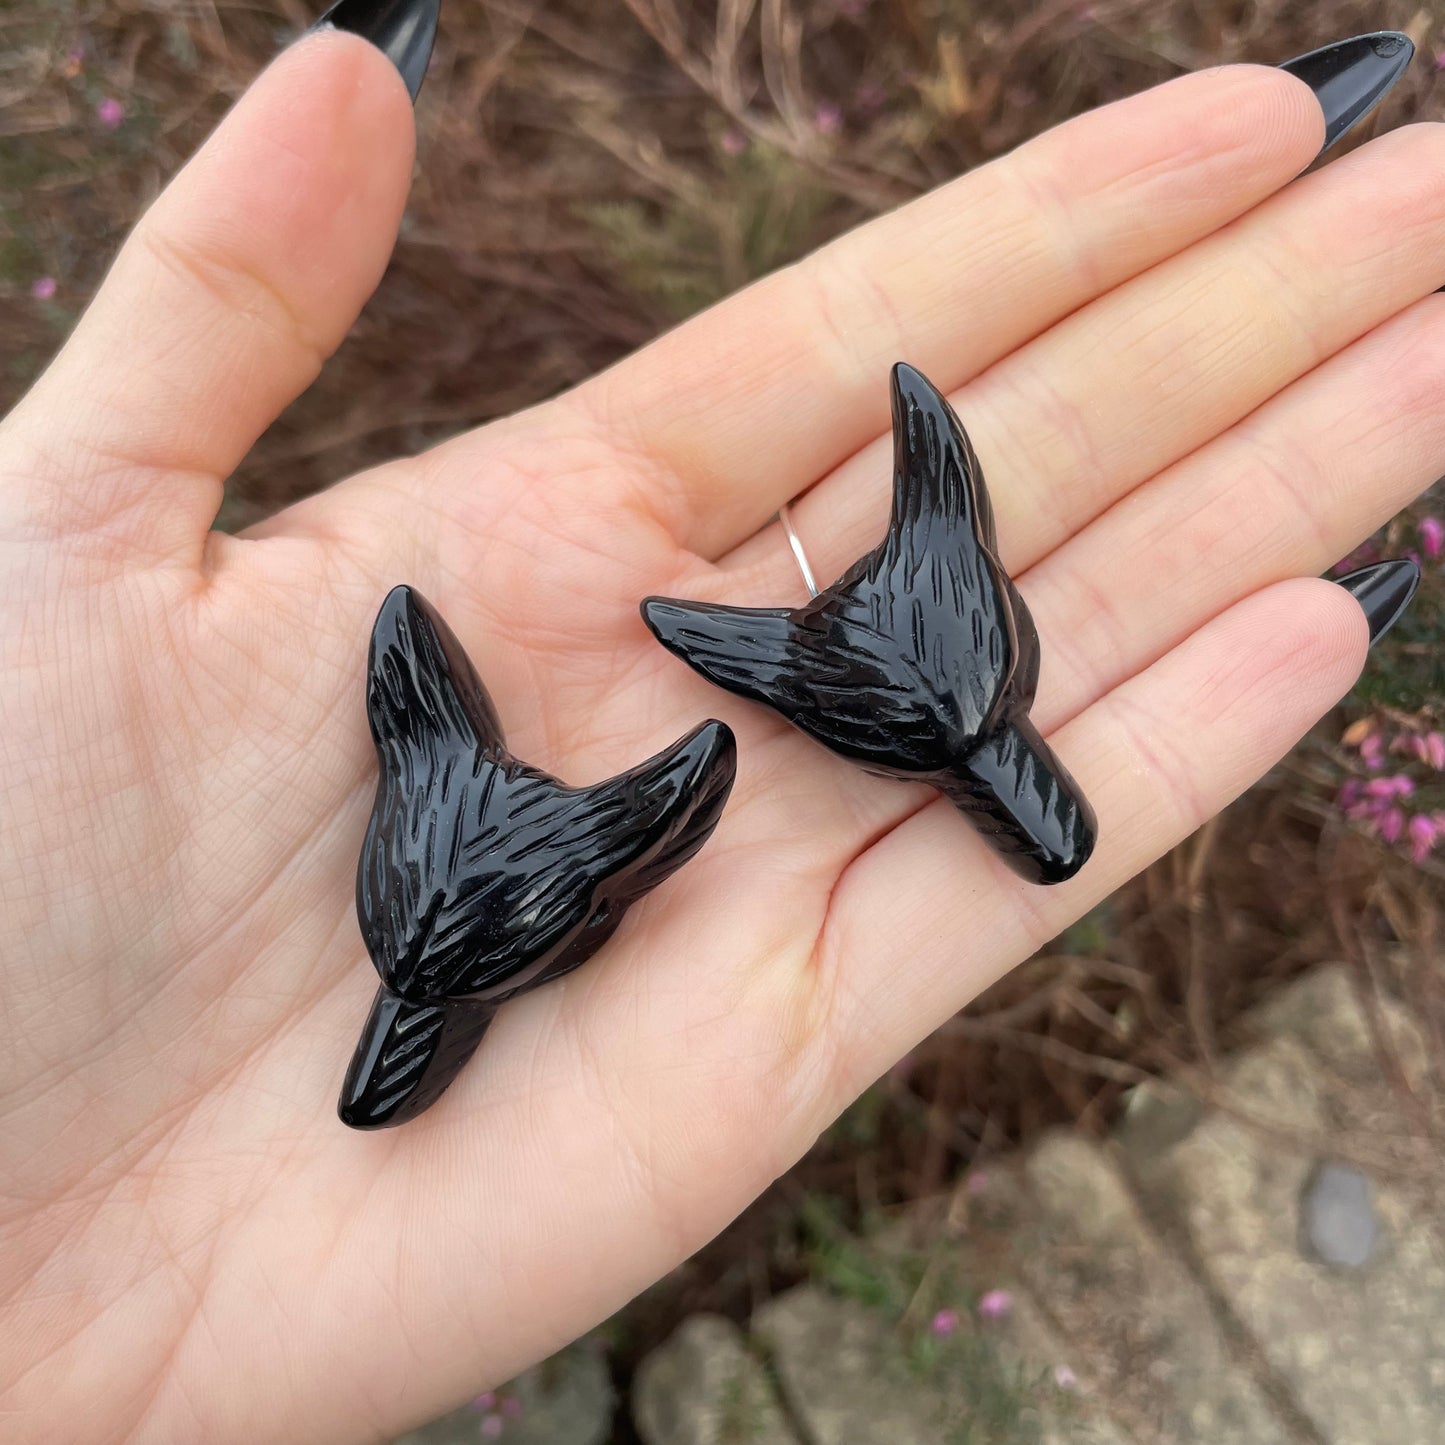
x: 1384, y: 591
x: 1351, y: 77
x: 403, y: 30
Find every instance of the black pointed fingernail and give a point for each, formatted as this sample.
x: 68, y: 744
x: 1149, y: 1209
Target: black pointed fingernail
x: 1351, y: 77
x: 1384, y: 591
x: 404, y: 30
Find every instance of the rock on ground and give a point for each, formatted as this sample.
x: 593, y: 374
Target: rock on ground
x: 704, y: 1386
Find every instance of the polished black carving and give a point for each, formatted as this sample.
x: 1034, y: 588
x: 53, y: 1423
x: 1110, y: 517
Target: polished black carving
x: 481, y: 877
x: 921, y: 662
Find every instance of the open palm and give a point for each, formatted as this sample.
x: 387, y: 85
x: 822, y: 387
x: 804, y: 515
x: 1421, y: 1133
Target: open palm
x: 1189, y: 383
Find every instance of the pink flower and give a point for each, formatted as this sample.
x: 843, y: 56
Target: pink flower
x: 871, y: 97
x: 492, y: 1427
x: 43, y: 288
x: 1380, y: 788
x: 1397, y: 785
x: 733, y: 142
x: 1435, y: 750
x: 995, y: 1305
x: 1065, y: 1378
x: 1372, y: 751
x: 1432, y: 536
x: 110, y: 113
x: 945, y: 1322
x: 828, y: 119
x: 485, y: 1400
x: 1392, y: 825
x: 1424, y: 832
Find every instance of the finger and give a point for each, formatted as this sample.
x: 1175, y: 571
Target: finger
x: 1286, y: 493
x: 1157, y: 757
x: 752, y: 402
x: 1141, y: 377
x: 223, y: 303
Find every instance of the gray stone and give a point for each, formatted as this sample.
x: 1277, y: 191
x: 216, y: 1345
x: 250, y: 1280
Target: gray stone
x: 1137, y: 1322
x: 566, y: 1400
x: 704, y: 1387
x: 851, y: 1378
x: 1157, y: 1114
x: 1337, y: 1215
x: 1324, y: 1012
x: 1358, y: 1350
x: 842, y: 1373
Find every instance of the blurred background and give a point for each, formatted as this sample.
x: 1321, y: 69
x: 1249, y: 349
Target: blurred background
x: 590, y: 174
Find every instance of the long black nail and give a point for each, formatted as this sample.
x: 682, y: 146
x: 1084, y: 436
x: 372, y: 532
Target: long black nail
x: 404, y: 30
x: 1384, y: 591
x: 1351, y: 77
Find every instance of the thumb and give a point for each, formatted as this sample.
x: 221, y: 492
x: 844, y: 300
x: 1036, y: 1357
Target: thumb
x: 229, y: 294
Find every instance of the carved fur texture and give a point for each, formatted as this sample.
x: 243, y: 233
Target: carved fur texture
x: 921, y: 662
x: 480, y: 876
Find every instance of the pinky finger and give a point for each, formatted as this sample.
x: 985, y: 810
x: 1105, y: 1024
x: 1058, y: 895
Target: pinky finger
x: 928, y: 917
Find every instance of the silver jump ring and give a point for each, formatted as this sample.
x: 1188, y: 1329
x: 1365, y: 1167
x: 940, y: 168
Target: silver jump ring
x: 799, y: 556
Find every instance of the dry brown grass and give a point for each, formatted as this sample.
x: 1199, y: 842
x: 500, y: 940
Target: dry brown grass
x: 574, y: 192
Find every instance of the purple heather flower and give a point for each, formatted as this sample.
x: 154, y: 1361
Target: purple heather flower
x: 1424, y: 833
x: 1372, y: 751
x: 1065, y: 1378
x: 1432, y: 536
x: 1397, y: 785
x: 828, y: 119
x: 492, y: 1427
x: 1435, y: 750
x: 995, y: 1305
x: 1351, y: 791
x: 871, y: 97
x: 733, y: 142
x: 110, y: 113
x: 43, y: 288
x: 485, y: 1400
x: 1392, y: 824
x: 945, y: 1322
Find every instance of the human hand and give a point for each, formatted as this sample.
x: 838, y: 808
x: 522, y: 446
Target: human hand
x: 1191, y: 384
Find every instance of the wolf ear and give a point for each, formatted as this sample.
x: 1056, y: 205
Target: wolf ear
x: 422, y: 692
x: 937, y: 481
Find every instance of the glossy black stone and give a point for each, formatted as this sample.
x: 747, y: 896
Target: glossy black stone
x: 403, y: 30
x: 921, y: 662
x: 480, y: 877
x: 1384, y: 590
x: 1351, y: 77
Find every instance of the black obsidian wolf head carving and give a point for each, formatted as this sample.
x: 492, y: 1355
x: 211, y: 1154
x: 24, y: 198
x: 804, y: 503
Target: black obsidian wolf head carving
x: 921, y: 662
x: 481, y: 877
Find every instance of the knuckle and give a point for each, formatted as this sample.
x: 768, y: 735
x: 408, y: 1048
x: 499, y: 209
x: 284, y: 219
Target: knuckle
x: 229, y: 283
